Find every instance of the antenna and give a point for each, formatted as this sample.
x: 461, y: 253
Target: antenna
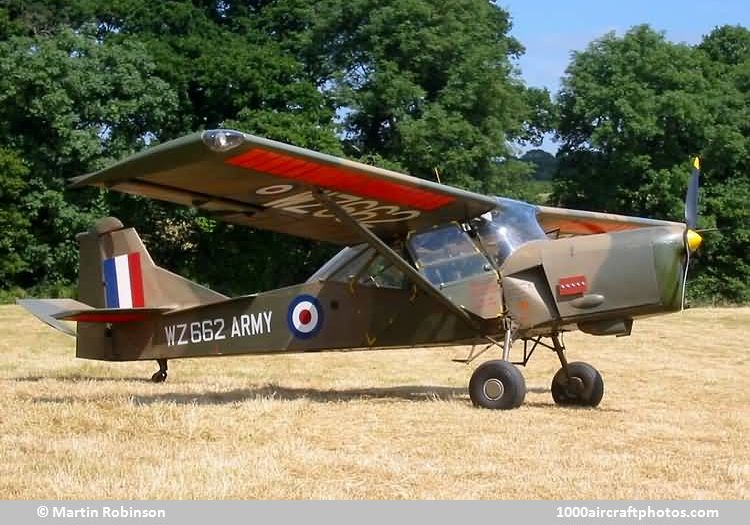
x: 437, y: 175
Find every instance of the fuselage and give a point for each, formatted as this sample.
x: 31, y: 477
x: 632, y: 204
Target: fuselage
x: 501, y: 266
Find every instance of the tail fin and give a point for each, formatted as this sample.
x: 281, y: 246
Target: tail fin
x: 118, y: 282
x: 116, y: 271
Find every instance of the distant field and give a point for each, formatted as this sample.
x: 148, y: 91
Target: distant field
x: 674, y: 422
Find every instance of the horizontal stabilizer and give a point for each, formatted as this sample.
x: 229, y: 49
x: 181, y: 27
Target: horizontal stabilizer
x: 54, y: 311
x: 110, y: 315
x: 45, y: 309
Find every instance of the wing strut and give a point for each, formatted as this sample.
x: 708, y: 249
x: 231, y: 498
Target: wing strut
x: 383, y: 249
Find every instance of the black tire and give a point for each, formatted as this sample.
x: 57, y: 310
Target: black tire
x: 586, y: 390
x: 502, y: 377
x: 159, y: 377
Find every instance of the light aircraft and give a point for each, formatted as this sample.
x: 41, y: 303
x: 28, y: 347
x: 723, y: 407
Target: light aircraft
x: 423, y: 264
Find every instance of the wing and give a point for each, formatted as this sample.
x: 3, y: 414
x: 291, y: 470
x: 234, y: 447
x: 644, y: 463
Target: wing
x: 578, y: 222
x: 269, y: 185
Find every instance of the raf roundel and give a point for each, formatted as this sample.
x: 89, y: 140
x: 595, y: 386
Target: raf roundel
x: 305, y: 316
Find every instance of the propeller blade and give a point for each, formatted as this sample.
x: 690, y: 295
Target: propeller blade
x: 684, y: 277
x: 691, y: 198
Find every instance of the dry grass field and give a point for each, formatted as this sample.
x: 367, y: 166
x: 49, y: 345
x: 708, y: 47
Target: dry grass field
x: 674, y: 422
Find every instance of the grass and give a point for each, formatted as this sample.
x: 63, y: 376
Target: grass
x: 673, y: 423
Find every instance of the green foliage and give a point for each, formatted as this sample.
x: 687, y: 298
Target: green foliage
x: 420, y: 84
x: 14, y: 224
x: 415, y: 86
x: 633, y: 110
x: 69, y: 104
x: 545, y: 164
x: 227, y: 72
x: 623, y: 103
x: 134, y: 72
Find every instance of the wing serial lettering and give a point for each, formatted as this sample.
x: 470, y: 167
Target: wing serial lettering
x: 339, y: 178
x: 367, y: 211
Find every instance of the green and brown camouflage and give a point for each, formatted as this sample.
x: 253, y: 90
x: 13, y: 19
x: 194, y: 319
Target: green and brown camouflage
x: 424, y: 265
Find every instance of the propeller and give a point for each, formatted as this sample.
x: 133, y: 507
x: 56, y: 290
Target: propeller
x: 692, y: 238
x: 691, y: 198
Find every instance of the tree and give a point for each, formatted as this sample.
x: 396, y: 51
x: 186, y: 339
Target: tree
x: 218, y: 60
x: 545, y: 164
x: 633, y: 110
x: 419, y: 85
x: 724, y: 270
x: 14, y: 223
x: 212, y: 70
x: 69, y: 104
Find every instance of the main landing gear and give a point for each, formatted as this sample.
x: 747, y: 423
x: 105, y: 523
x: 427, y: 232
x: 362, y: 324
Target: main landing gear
x: 578, y: 384
x: 499, y: 384
x: 161, y: 375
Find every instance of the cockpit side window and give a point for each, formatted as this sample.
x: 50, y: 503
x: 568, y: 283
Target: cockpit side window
x: 335, y: 263
x: 381, y: 273
x: 352, y: 268
x: 447, y: 254
x: 368, y: 268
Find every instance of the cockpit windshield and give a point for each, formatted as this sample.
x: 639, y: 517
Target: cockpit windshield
x: 444, y: 254
x: 507, y: 227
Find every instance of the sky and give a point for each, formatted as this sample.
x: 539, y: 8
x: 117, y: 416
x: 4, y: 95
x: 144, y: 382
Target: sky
x: 551, y: 30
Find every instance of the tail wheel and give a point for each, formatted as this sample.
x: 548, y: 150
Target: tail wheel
x: 497, y: 385
x: 581, y: 386
x: 161, y: 375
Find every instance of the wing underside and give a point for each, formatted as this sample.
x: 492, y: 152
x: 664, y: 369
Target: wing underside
x: 265, y: 184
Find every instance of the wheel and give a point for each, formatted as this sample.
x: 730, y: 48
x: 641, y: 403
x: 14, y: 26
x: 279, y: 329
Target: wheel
x: 159, y: 377
x: 497, y: 385
x: 585, y: 387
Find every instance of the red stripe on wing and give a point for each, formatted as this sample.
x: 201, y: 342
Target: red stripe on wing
x: 339, y: 179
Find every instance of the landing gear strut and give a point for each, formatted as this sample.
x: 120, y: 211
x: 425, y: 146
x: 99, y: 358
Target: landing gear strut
x: 161, y: 375
x: 576, y: 384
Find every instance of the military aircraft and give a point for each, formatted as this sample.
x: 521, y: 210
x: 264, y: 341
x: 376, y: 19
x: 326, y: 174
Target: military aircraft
x: 423, y: 264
